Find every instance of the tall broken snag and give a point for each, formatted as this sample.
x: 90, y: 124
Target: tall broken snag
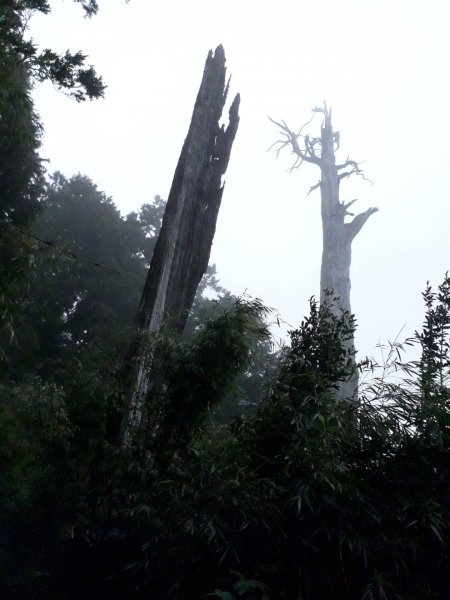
x: 183, y: 247
x: 338, y: 234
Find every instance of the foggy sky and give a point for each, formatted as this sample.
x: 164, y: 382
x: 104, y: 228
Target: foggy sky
x: 382, y: 66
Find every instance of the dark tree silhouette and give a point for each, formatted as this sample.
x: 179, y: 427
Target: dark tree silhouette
x: 184, y: 245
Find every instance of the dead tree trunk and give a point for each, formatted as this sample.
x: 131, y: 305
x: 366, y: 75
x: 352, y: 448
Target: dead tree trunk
x: 183, y: 247
x: 338, y: 234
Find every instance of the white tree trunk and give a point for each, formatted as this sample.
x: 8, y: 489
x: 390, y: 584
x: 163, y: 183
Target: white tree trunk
x: 337, y: 234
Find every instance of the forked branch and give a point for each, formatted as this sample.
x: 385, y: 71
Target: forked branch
x: 353, y: 168
x: 314, y: 187
x: 309, y: 149
x: 346, y: 206
x: 303, y: 147
x: 355, y: 226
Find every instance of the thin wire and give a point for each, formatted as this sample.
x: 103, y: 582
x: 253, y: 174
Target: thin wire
x: 63, y: 250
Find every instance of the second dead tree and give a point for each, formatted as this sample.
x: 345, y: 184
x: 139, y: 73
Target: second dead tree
x: 338, y: 234
x: 183, y: 248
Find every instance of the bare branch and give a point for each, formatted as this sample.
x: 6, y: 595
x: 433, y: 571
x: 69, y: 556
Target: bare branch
x: 281, y: 146
x: 345, y: 174
x: 355, y: 226
x: 306, y: 124
x: 342, y: 208
x: 349, y: 163
x: 337, y: 140
x: 276, y: 123
x: 307, y: 154
x: 314, y: 187
x: 365, y: 178
x: 298, y: 163
x: 347, y: 205
x: 354, y: 169
x: 309, y: 145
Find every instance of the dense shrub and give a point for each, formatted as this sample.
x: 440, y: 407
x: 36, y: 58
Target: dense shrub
x: 310, y: 497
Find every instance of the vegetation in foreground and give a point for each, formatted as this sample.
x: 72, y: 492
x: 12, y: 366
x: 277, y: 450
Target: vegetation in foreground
x: 308, y: 497
x: 305, y: 497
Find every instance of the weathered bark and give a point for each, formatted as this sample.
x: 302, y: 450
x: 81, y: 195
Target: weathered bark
x: 183, y: 247
x: 338, y: 235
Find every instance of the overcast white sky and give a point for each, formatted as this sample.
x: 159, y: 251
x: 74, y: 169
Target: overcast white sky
x: 384, y: 68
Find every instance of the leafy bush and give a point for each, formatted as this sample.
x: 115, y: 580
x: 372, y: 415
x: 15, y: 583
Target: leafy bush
x: 310, y: 497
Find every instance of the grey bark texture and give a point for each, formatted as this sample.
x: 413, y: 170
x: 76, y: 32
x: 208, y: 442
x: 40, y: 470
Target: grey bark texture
x: 183, y: 247
x: 338, y: 234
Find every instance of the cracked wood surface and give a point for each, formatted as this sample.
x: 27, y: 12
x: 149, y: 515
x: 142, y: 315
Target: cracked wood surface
x: 183, y: 248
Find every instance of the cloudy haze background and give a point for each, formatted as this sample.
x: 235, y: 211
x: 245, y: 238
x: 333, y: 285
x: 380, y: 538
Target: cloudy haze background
x: 382, y: 66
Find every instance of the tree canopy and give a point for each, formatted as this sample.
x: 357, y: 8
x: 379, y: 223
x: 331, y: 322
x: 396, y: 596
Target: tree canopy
x: 22, y: 65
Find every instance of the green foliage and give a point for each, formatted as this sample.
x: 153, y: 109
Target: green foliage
x: 54, y: 461
x: 433, y: 369
x: 21, y: 177
x: 87, y: 279
x: 250, y: 384
x: 67, y: 71
x: 21, y: 169
x: 21, y: 173
x: 16, y: 261
x: 246, y: 588
x: 36, y: 433
x: 21, y: 65
x: 319, y: 358
x: 311, y: 496
x: 422, y: 395
x: 190, y: 378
